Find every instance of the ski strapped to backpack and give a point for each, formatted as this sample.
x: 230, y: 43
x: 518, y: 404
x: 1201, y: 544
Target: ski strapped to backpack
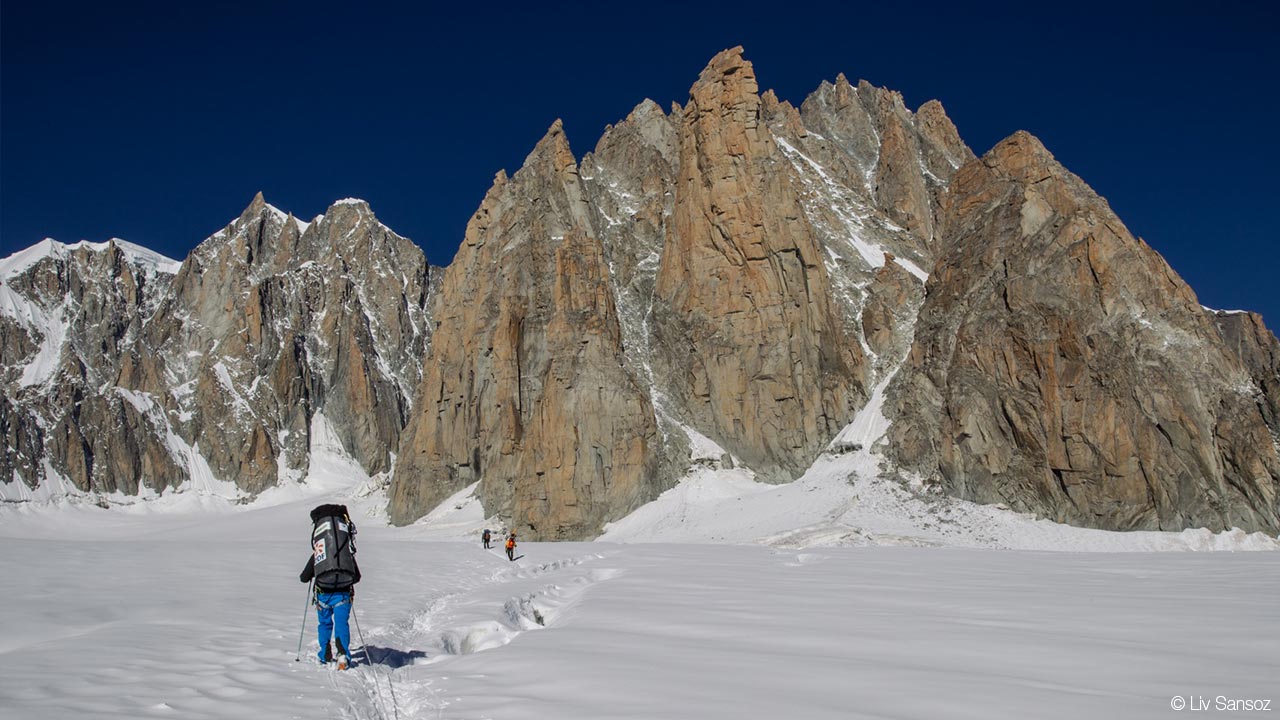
x: 333, y: 547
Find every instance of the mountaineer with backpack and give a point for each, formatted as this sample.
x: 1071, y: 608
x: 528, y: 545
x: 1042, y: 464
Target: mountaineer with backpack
x: 511, y: 545
x: 485, y: 538
x: 333, y: 568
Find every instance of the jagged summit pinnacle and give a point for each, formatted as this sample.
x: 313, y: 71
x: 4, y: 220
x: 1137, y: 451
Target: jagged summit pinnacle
x: 725, y: 63
x: 726, y: 88
x: 1025, y: 141
x: 646, y: 108
x: 256, y: 207
x: 553, y: 148
x: 1023, y: 157
x: 555, y: 130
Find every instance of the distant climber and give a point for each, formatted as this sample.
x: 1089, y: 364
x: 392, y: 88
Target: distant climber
x: 332, y: 566
x: 484, y: 537
x: 511, y: 546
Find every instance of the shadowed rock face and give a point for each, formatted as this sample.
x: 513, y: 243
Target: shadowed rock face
x: 892, y: 300
x: 268, y: 324
x: 526, y: 389
x: 903, y: 161
x: 1061, y: 367
x: 224, y: 365
x: 1249, y: 339
x: 629, y: 185
x: 71, y: 416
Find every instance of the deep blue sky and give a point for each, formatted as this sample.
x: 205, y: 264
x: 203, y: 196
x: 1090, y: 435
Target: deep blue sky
x: 156, y: 122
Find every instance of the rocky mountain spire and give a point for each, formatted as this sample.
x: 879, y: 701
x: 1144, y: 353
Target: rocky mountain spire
x: 525, y: 389
x: 1061, y: 367
x: 754, y: 351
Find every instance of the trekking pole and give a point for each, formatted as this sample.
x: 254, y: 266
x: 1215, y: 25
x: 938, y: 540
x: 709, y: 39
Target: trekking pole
x: 303, y: 629
x: 395, y: 711
x: 363, y: 644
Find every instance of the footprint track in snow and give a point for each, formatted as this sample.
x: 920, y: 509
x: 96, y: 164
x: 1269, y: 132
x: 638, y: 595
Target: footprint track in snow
x: 476, y: 615
x: 531, y: 571
x: 534, y: 610
x: 424, y: 620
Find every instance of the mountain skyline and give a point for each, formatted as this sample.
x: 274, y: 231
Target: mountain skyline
x: 150, y: 131
x: 741, y: 280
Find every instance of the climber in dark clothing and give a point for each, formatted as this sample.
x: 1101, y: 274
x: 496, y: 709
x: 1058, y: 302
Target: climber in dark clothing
x: 333, y: 552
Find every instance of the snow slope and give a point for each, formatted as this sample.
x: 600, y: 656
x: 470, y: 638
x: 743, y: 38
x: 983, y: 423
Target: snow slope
x: 196, y: 614
x: 845, y: 500
x: 842, y: 501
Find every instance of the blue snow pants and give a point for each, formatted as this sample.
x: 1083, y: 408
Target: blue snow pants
x: 332, y: 613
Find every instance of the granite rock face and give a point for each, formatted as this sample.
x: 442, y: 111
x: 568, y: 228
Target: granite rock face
x: 70, y: 313
x: 893, y: 298
x: 629, y: 185
x: 724, y: 283
x: 132, y: 372
x: 1248, y: 338
x: 863, y: 248
x: 526, y: 390
x: 752, y: 346
x: 1061, y: 367
x: 737, y: 266
x: 272, y: 322
x: 902, y: 160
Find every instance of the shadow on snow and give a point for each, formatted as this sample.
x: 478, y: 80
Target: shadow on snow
x: 387, y: 656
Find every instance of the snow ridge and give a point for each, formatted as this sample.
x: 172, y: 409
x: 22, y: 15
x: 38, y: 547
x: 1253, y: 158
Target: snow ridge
x: 18, y: 262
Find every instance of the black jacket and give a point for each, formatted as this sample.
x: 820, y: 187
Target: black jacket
x: 309, y: 572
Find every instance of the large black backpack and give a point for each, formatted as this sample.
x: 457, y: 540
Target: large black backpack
x: 333, y: 547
